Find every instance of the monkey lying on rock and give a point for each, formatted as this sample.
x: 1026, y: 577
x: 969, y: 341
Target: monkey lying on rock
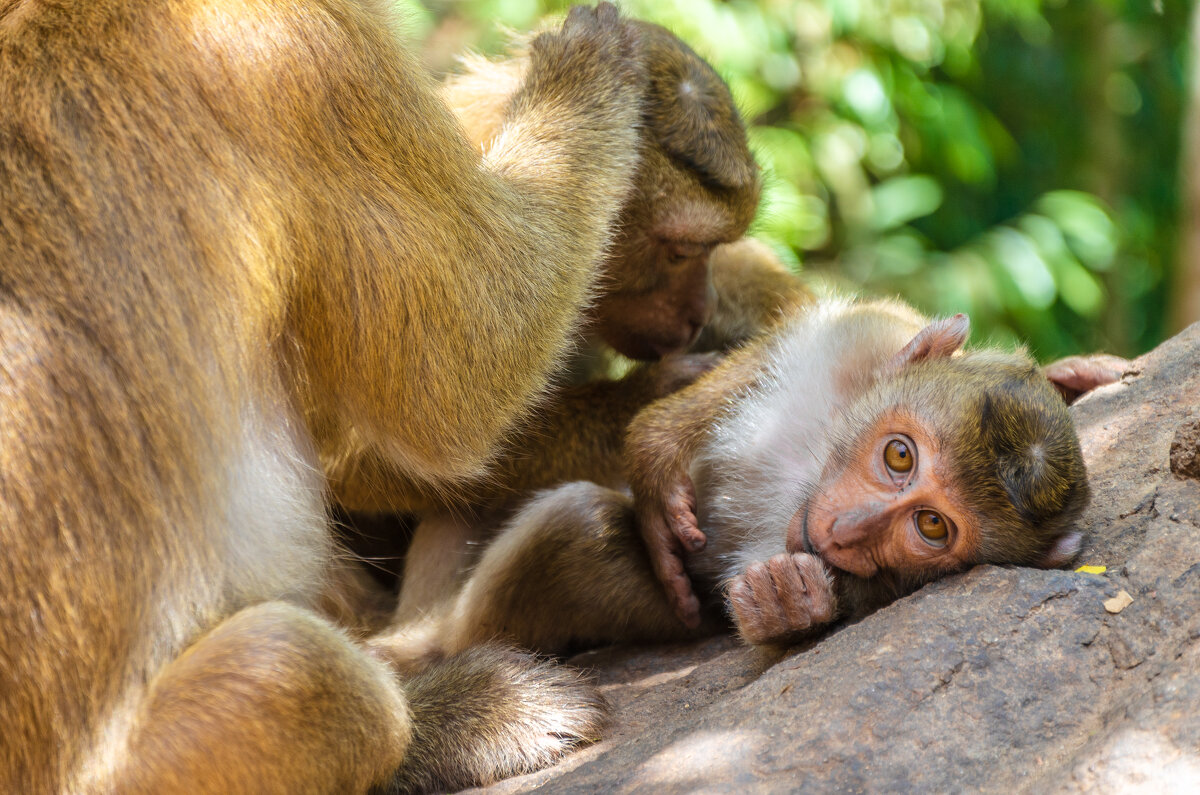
x: 838, y: 463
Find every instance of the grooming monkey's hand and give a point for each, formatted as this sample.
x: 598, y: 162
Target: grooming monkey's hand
x: 674, y: 372
x: 669, y: 529
x: 596, y: 52
x: 775, y: 600
x: 1077, y: 375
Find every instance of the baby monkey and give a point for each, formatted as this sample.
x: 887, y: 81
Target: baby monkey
x: 834, y: 464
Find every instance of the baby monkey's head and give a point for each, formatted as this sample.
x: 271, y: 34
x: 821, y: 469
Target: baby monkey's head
x: 947, y: 461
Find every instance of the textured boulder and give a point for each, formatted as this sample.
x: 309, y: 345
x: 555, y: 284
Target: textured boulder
x: 996, y: 680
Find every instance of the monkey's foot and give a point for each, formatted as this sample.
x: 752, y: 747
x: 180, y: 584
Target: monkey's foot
x: 1077, y: 375
x: 776, y: 600
x: 492, y: 712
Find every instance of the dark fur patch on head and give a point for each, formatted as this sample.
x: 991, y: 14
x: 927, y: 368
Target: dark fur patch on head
x: 692, y: 115
x: 1018, y: 459
x: 1008, y: 446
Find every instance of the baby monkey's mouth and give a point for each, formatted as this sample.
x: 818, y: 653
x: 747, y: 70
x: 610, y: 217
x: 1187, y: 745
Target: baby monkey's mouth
x: 796, y: 538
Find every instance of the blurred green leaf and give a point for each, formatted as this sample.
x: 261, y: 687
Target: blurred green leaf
x: 902, y: 199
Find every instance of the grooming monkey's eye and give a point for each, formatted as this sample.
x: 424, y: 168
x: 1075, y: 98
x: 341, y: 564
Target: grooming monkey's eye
x: 681, y: 251
x: 932, y: 527
x: 898, y: 456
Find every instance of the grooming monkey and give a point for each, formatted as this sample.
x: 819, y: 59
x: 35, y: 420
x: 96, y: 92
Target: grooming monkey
x: 237, y: 240
x: 833, y: 465
x: 697, y: 187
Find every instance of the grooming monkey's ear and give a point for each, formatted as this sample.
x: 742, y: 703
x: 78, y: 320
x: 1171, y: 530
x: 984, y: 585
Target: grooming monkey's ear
x: 939, y: 339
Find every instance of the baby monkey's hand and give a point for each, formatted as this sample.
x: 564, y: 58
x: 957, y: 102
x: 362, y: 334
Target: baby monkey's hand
x: 781, y: 598
x: 668, y: 526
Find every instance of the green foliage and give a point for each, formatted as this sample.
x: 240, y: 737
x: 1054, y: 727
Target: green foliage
x: 1013, y: 159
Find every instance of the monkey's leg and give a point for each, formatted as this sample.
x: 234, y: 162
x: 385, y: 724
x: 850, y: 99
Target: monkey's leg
x: 568, y: 569
x: 274, y: 699
x: 442, y: 550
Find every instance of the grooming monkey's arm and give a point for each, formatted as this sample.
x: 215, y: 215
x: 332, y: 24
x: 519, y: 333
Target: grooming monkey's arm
x: 755, y: 292
x: 510, y: 249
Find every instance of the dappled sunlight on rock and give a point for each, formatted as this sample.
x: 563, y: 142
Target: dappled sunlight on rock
x: 696, y: 762
x: 1137, y: 761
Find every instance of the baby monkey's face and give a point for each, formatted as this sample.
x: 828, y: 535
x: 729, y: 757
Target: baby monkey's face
x: 887, y: 502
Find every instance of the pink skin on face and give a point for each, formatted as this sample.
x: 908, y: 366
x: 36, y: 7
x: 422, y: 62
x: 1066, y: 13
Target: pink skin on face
x: 893, y: 508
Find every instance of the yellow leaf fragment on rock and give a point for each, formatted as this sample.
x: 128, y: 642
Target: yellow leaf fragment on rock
x: 1092, y: 569
x: 1118, y: 603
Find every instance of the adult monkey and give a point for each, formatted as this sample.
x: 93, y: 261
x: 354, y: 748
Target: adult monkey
x: 237, y: 238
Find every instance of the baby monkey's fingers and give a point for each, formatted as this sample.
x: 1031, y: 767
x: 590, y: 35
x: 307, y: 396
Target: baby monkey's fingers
x: 669, y: 530
x: 777, y: 600
x: 681, y: 515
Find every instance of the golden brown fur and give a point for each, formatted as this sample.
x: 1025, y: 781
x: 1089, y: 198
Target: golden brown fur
x: 240, y: 240
x: 696, y: 187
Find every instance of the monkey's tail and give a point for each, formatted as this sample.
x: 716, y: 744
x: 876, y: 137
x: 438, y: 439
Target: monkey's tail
x: 491, y: 712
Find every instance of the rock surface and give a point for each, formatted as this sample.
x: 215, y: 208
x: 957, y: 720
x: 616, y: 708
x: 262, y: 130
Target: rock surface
x: 996, y: 680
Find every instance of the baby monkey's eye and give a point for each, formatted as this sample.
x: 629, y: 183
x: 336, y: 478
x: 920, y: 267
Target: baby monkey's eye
x: 932, y: 527
x: 898, y: 456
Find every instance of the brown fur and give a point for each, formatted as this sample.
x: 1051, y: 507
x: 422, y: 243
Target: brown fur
x: 595, y: 585
x: 696, y: 187
x: 238, y: 241
x: 480, y: 693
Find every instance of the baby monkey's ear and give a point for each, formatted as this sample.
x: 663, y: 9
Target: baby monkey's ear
x: 1063, y: 552
x: 939, y: 339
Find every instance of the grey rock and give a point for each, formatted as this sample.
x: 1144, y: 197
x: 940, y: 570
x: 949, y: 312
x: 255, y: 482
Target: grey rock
x: 996, y: 680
